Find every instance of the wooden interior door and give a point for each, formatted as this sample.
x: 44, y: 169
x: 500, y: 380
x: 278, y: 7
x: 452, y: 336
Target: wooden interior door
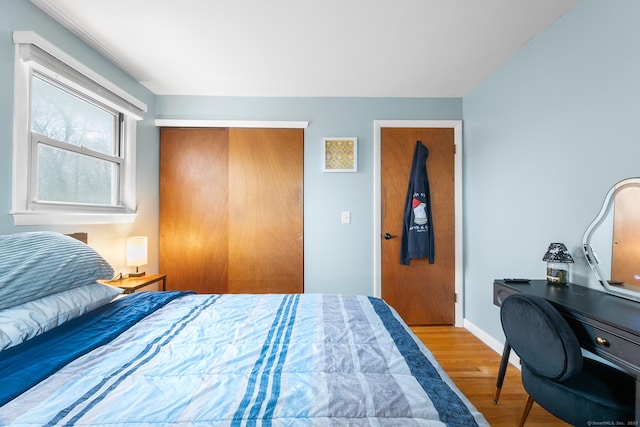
x: 422, y: 293
x: 231, y: 210
x: 626, y: 236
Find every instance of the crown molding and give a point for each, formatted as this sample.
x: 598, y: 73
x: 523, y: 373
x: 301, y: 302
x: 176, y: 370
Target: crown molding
x: 50, y: 8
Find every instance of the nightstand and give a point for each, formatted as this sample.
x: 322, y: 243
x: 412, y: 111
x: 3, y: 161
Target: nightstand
x: 131, y: 284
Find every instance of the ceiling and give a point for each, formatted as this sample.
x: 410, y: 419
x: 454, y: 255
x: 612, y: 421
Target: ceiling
x: 355, y: 48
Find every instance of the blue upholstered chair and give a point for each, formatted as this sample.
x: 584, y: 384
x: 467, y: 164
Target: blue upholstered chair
x: 576, y: 389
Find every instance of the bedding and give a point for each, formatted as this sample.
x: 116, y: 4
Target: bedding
x: 47, y: 278
x: 36, y: 264
x: 24, y: 321
x: 175, y: 358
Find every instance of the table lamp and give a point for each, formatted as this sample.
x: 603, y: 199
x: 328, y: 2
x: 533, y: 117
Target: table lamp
x: 558, y: 259
x: 136, y: 254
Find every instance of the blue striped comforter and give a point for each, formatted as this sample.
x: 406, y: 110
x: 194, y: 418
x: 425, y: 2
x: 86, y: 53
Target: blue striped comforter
x: 244, y: 360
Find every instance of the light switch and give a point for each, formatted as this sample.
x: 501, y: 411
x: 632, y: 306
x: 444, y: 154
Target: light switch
x: 346, y: 217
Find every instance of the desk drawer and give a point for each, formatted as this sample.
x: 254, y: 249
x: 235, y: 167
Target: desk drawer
x: 500, y: 293
x: 607, y: 345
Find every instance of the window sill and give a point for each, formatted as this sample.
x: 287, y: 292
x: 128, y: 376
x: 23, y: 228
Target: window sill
x: 61, y: 218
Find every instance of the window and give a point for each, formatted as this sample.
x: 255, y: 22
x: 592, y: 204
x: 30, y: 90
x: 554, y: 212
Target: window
x: 76, y: 144
x: 74, y: 140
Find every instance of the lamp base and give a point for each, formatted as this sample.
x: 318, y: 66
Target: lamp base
x: 137, y: 274
x: 557, y: 273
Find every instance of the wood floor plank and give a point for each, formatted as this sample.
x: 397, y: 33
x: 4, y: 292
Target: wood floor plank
x: 473, y: 367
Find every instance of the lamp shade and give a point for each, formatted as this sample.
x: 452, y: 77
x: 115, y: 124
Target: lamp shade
x: 136, y: 251
x: 557, y: 252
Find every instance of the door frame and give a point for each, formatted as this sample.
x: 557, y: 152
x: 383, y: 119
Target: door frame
x: 456, y: 125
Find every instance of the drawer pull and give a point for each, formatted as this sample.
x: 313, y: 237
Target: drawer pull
x: 602, y: 341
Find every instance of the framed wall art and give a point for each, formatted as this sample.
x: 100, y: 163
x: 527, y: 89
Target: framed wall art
x: 340, y: 154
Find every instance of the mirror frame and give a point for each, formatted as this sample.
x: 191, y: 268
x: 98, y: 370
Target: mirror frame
x: 590, y: 255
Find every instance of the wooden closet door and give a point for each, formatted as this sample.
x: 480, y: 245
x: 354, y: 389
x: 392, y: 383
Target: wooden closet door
x: 194, y: 177
x: 231, y: 215
x: 265, y: 210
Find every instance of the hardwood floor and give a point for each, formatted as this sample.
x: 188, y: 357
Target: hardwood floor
x: 473, y: 367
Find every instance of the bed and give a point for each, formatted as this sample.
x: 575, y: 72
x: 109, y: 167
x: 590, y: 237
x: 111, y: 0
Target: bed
x: 76, y: 352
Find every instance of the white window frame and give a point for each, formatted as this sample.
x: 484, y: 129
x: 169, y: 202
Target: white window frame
x: 33, y: 53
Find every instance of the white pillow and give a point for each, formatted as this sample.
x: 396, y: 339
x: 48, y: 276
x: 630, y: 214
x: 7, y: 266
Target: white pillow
x: 24, y: 321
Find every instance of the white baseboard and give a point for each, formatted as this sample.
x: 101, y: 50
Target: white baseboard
x: 495, y: 345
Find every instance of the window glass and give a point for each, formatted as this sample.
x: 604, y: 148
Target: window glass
x: 65, y: 176
x: 61, y: 115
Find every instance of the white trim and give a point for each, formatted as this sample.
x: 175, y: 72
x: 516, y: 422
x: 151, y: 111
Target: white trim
x: 130, y: 184
x: 21, y: 134
x: 33, y: 38
x: 182, y: 123
x: 377, y: 201
x: 61, y: 218
x: 491, y: 342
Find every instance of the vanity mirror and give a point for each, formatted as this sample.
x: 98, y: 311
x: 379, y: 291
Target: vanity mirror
x: 612, y: 242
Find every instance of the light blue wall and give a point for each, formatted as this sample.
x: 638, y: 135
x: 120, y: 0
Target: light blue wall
x: 338, y: 258
x: 109, y: 240
x: 545, y: 137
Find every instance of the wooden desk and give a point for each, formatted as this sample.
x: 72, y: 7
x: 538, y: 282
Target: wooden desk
x: 606, y: 325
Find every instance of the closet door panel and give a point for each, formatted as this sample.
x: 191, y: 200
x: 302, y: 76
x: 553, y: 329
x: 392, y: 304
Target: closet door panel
x: 194, y: 182
x: 266, y: 210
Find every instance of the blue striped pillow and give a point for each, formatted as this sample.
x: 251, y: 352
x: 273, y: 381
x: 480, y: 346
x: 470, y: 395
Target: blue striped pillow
x: 37, y: 264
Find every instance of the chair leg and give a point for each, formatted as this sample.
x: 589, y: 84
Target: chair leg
x: 525, y: 413
x: 496, y: 396
x: 504, y: 361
